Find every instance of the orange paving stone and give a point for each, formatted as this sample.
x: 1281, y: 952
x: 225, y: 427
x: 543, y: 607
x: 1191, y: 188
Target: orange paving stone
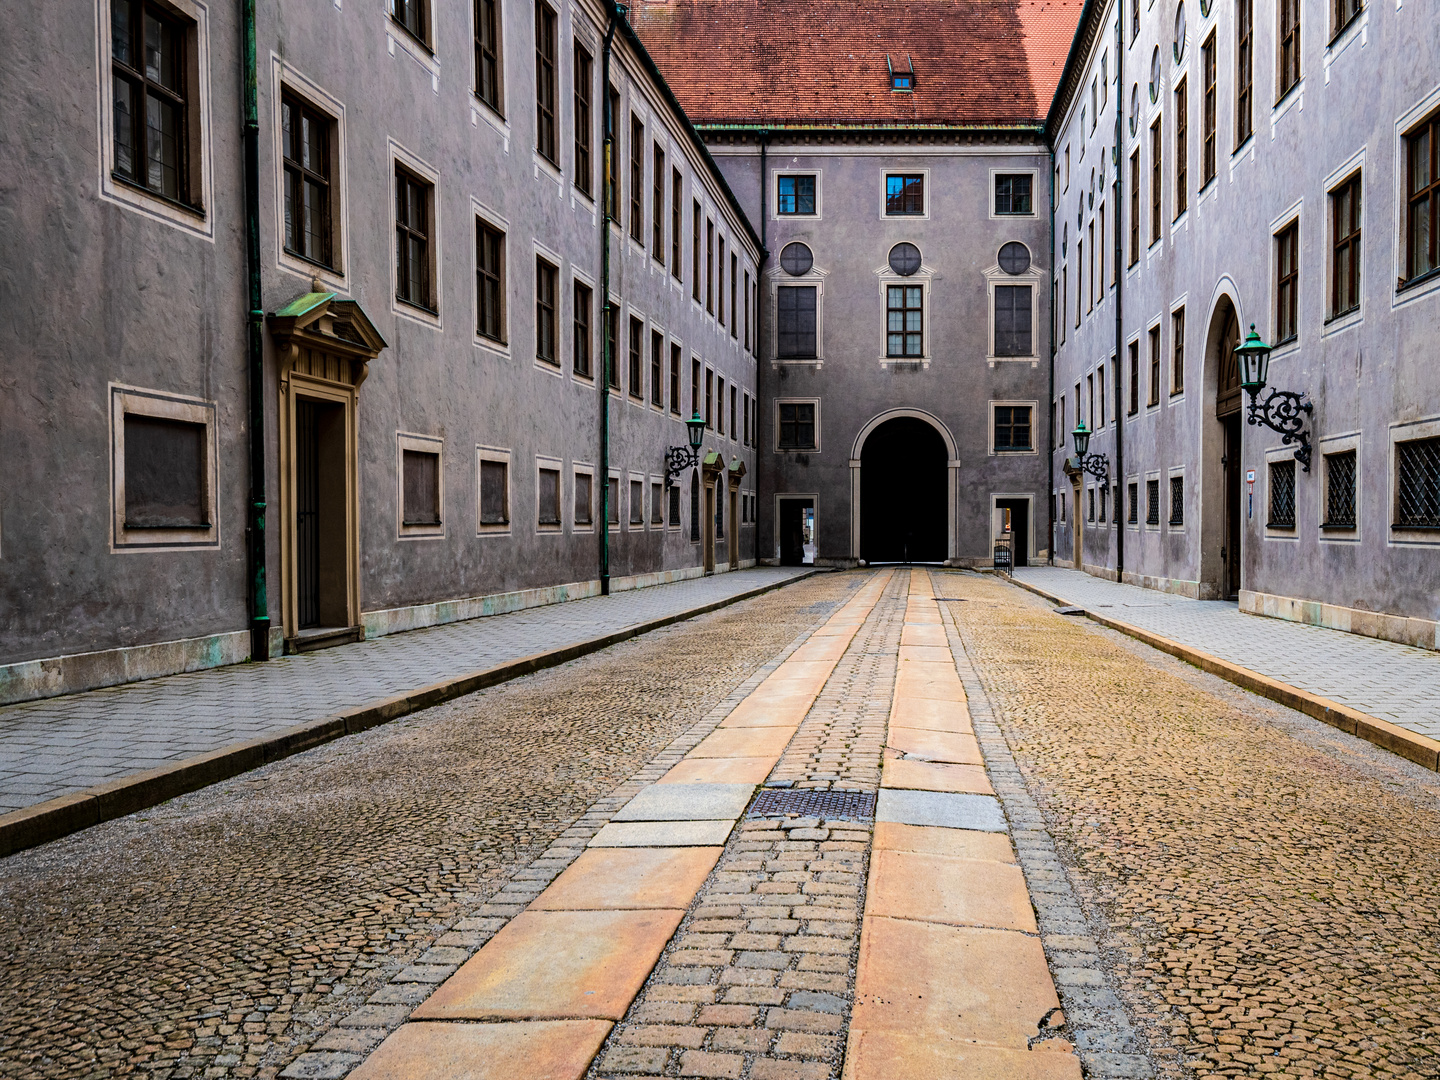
x: 930, y: 654
x: 930, y: 776
x: 921, y: 680
x: 954, y: 747
x: 923, y: 635
x: 944, y: 889
x: 744, y: 742
x: 719, y: 771
x: 932, y: 714
x: 556, y: 964
x: 932, y: 840
x: 535, y: 1050
x: 763, y: 715
x: 793, y: 670
x: 629, y: 878
x: 829, y: 648
x: 988, y: 986
x: 886, y: 1055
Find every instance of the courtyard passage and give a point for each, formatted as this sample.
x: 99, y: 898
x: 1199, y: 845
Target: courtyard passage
x: 904, y: 823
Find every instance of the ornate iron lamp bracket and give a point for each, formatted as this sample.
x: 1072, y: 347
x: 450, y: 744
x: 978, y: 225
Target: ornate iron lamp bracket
x: 1097, y: 465
x: 1280, y: 411
x: 677, y: 460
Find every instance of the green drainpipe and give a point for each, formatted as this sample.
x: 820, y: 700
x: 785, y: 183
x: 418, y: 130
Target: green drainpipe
x: 255, y: 344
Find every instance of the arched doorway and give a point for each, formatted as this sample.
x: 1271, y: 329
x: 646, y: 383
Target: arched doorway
x: 903, y: 496
x: 1221, y: 502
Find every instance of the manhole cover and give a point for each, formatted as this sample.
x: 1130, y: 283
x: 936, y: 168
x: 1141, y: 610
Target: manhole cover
x: 856, y: 805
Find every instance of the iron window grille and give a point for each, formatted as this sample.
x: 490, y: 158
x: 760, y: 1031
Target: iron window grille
x: 904, y: 322
x: 490, y: 279
x: 675, y: 506
x: 904, y: 195
x: 1345, y: 266
x: 1133, y: 494
x: 1282, y: 495
x: 1177, y: 500
x: 487, y: 64
x: 546, y: 308
x: 1152, y: 501
x: 795, y: 322
x: 1422, y: 231
x: 1013, y: 194
x: 797, y: 426
x: 151, y: 127
x: 796, y: 195
x: 1013, y: 427
x: 544, y: 81
x: 1340, y: 490
x: 1417, y: 486
x: 306, y: 135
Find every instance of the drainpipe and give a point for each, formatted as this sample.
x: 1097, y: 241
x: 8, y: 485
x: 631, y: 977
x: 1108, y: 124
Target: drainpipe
x: 1116, y: 211
x: 606, y: 360
x: 760, y: 308
x: 255, y: 345
x: 1050, y: 435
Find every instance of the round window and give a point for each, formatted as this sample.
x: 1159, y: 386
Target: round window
x: 1155, y: 75
x: 795, y: 259
x: 1179, y: 31
x: 904, y: 259
x: 1014, y: 258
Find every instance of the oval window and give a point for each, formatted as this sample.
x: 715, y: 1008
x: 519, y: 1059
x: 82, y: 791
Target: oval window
x: 1134, y: 107
x: 795, y: 259
x: 1155, y: 75
x: 1092, y: 189
x: 1064, y: 239
x: 904, y: 259
x: 1014, y: 258
x: 1179, y: 31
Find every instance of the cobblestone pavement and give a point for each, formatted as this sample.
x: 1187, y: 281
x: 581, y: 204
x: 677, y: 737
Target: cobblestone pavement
x: 1265, y: 890
x: 1394, y: 682
x: 56, y: 746
x: 221, y: 933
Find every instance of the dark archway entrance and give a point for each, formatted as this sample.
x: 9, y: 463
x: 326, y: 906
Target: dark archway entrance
x: 903, y: 470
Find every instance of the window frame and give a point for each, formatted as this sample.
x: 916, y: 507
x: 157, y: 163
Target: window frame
x: 635, y: 358
x: 996, y: 176
x: 815, y: 444
x: 1409, y: 533
x: 582, y: 100
x: 1328, y: 448
x: 1012, y: 450
x: 1157, y: 180
x: 483, y: 226
x: 1346, y: 247
x: 1286, y: 241
x: 417, y: 442
x: 135, y: 401
x: 547, y: 105
x: 637, y: 179
x: 906, y: 198
x: 1272, y: 523
x: 1244, y: 72
x: 1427, y: 129
x: 657, y: 203
x: 577, y: 470
x: 1210, y: 110
x: 544, y: 463
x: 420, y: 28
x: 405, y: 170
x: 812, y: 175
x: 1177, y: 351
x: 582, y: 331
x: 677, y: 231
x: 489, y: 34
x: 289, y: 83
x: 493, y: 455
x: 1287, y: 47
x: 657, y: 366
x: 1182, y: 147
x: 303, y: 174
x: 547, y: 315
x: 1153, y: 336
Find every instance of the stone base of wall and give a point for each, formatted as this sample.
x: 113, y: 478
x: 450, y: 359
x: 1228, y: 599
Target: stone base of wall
x: 77, y: 672
x: 1177, y: 586
x: 1423, y: 633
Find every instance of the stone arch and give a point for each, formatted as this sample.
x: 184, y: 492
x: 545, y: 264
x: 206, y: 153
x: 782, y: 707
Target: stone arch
x: 1218, y: 464
x: 945, y: 445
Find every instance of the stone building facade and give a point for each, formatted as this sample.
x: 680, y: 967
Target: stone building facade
x: 1276, y: 167
x: 432, y: 259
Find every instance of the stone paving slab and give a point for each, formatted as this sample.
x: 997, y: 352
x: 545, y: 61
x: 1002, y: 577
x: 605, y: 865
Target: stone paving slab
x: 945, y: 809
x: 534, y: 1050
x: 663, y: 833
x: 687, y: 802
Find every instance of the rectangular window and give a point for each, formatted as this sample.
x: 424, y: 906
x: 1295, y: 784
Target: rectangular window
x: 709, y: 399
x: 746, y: 430
x: 1289, y: 44
x: 1177, y: 352
x: 1103, y: 493
x: 637, y: 180
x: 1152, y: 501
x: 1340, y: 490
x: 1345, y: 256
x: 795, y: 194
x: 1013, y: 195
x: 675, y: 379
x: 1079, y: 280
x: 1064, y: 301
x: 694, y: 387
x: 1154, y: 398
x: 637, y: 374
x: 720, y: 406
x: 695, y: 252
x: 710, y: 266
x: 1422, y: 212
x: 544, y: 81
x: 1345, y: 10
x: 1013, y: 320
x: 487, y: 56
x: 904, y: 321
x: 1211, y: 109
x: 734, y: 288
x: 1012, y: 427
x: 612, y: 178
x: 1090, y: 297
x: 657, y: 360
x: 904, y: 194
x: 584, y: 499
x: 1134, y: 378
x: 677, y: 190
x: 494, y: 493
x: 797, y: 425
x: 720, y: 282
x: 306, y: 134
x: 1134, y: 207
x: 421, y: 484
x: 1182, y: 146
x: 412, y: 239
x: 152, y: 99
x: 1287, y: 282
x: 1100, y: 380
x: 546, y: 310
x: 584, y: 299
x: 747, y: 310
x: 411, y: 15
x: 166, y: 474
x: 1157, y: 175
x: 637, y: 502
x: 1090, y: 401
x: 795, y: 322
x: 584, y: 122
x: 1090, y: 515
x: 1133, y: 494
x: 1282, y: 495
x: 675, y: 506
x: 657, y: 505
x: 1244, y: 71
x: 490, y: 281
x: 547, y: 498
x: 1100, y: 253
x: 612, y: 346
x: 734, y: 431
x: 1417, y: 486
x: 612, y: 498
x: 657, y: 209
x: 1177, y: 501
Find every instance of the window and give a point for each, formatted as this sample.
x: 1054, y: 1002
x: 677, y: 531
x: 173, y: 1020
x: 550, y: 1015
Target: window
x: 745, y: 439
x: 612, y: 500
x: 1012, y: 427
x: 487, y: 61
x: 795, y: 322
x: 795, y: 194
x: 584, y: 302
x: 612, y: 178
x: 675, y: 379
x: 657, y: 359
x: 1090, y: 514
x: 637, y: 375
x: 545, y: 82
x: 490, y: 281
x: 1134, y: 378
x: 1154, y: 398
x: 1013, y: 320
x: 149, y: 70
x: 797, y: 425
x: 734, y: 286
x: 1345, y: 256
x: 694, y: 387
x: 612, y: 346
x: 734, y: 431
x: 494, y: 493
x: 677, y: 188
x: 1417, y: 487
x: 904, y: 195
x: 1340, y: 490
x: 747, y: 310
x: 1090, y: 297
x: 1134, y: 207
x: 584, y: 499
x: 637, y: 180
x: 1345, y: 10
x: 546, y: 309
x: 657, y: 209
x: 547, y: 498
x: 1103, y: 493
x: 902, y: 80
x: 1210, y: 110
x: 695, y: 252
x: 675, y: 506
x: 1282, y: 495
x: 1289, y: 44
x: 1134, y: 19
x: 1152, y: 500
x: 421, y: 484
x: 1100, y: 253
x: 165, y: 470
x: 1422, y: 229
x: 1090, y: 401
x: 1177, y: 501
x: 1244, y: 71
x: 1133, y: 494
x: 1079, y: 280
x: 584, y: 122
x: 412, y: 239
x: 411, y: 15
x: 1287, y: 282
x: 720, y: 406
x: 637, y: 502
x: 1013, y: 194
x: 1182, y: 146
x: 904, y: 321
x: 307, y: 134
x: 720, y: 284
x: 1156, y: 177
x: 710, y: 266
x: 709, y: 399
x: 1177, y: 352
x: 1100, y: 379
x: 657, y: 505
x: 1064, y: 301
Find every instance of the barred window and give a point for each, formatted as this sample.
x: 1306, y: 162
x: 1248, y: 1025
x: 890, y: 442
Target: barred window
x: 675, y: 506
x: 1152, y: 500
x: 1133, y: 494
x: 795, y: 322
x: 1091, y: 516
x: 1177, y: 500
x: 1340, y: 490
x: 797, y: 425
x: 1417, y: 487
x: 1012, y: 427
x: 1282, y: 495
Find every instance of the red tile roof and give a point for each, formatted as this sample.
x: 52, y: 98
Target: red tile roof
x: 821, y: 62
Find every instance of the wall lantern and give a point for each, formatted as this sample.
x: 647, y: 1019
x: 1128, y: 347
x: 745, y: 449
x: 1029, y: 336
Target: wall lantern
x: 680, y: 458
x: 1097, y: 465
x: 1280, y: 410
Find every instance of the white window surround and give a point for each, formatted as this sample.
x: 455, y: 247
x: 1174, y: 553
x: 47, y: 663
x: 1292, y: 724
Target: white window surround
x: 423, y: 53
x: 1404, y: 124
x: 923, y: 277
x: 1337, y: 444
x: 885, y: 174
x: 1166, y: 511
x: 1144, y: 493
x: 1034, y: 175
x: 631, y: 479
x: 1357, y: 28
x: 1274, y: 454
x: 480, y: 212
x: 775, y: 278
x: 285, y: 78
x: 620, y: 496
x: 1404, y: 432
x: 1168, y: 358
x: 493, y: 453
x: 1034, y: 277
x: 558, y: 466
x: 1034, y: 450
x: 578, y: 469
x: 776, y: 417
x: 198, y: 222
x: 1139, y: 482
x: 136, y: 401
x: 401, y: 156
x: 774, y: 208
x: 1291, y: 215
x: 429, y: 444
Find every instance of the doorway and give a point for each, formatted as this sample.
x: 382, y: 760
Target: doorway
x: 321, y: 585
x: 1230, y: 423
x: 1077, y: 527
x: 1015, y: 526
x: 797, y: 532
x: 734, y: 548
x: 711, y: 526
x: 1234, y: 511
x: 903, y: 473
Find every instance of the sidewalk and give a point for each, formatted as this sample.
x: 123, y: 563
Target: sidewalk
x: 1395, y: 683
x: 58, y: 747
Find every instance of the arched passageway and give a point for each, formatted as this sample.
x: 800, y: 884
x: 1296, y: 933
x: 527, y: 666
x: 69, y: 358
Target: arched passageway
x: 903, y: 501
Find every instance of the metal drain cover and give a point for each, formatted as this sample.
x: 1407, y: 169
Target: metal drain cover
x: 854, y: 805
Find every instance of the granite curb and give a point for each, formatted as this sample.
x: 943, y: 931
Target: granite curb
x: 1408, y: 744
x: 55, y: 818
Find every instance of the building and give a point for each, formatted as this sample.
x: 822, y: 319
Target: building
x: 1276, y: 167
x: 426, y: 412
x: 894, y: 158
